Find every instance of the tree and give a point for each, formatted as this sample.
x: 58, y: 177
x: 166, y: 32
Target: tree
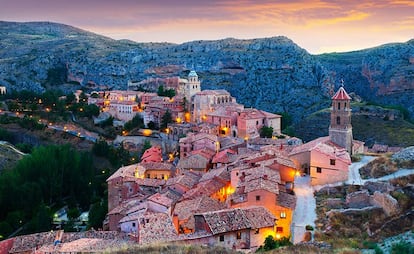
x: 168, y: 93
x: 97, y: 214
x: 166, y: 119
x: 136, y: 122
x: 147, y: 145
x: 266, y: 132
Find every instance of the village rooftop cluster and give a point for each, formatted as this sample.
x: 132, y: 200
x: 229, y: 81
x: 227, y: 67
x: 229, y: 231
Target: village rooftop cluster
x: 209, y: 177
x: 228, y: 186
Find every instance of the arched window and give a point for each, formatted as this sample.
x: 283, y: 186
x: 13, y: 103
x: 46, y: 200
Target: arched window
x: 338, y: 120
x: 339, y: 105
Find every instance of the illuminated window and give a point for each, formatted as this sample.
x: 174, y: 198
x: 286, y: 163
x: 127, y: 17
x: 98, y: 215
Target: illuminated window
x: 238, y: 235
x: 283, y: 215
x: 279, y: 229
x: 256, y: 231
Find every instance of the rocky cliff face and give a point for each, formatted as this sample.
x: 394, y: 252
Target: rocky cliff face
x: 272, y: 74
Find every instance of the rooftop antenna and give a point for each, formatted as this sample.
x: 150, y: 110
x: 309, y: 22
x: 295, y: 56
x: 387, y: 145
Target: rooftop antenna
x: 342, y: 82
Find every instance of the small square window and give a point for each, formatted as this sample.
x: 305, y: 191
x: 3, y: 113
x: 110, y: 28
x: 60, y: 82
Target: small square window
x: 238, y: 235
x: 257, y: 198
x: 318, y: 170
x: 279, y: 229
x: 283, y: 215
x: 222, y: 238
x: 133, y: 224
x: 332, y: 161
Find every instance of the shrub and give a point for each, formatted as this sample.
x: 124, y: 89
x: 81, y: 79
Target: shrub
x: 309, y: 227
x: 402, y: 247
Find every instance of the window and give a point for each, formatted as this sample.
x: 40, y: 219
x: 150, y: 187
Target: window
x: 339, y: 105
x: 222, y: 238
x: 257, y: 198
x: 257, y: 122
x: 279, y: 229
x: 237, y: 173
x: 318, y: 170
x: 256, y: 231
x: 133, y: 224
x: 238, y: 235
x: 283, y: 215
x: 263, y: 121
x: 162, y: 177
x: 148, y: 176
x: 147, y: 220
x: 332, y: 161
x: 345, y: 105
x: 338, y: 120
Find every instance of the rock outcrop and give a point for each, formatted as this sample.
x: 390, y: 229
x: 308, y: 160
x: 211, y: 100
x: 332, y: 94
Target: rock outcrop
x: 273, y: 74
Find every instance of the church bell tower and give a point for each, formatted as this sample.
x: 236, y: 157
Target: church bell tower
x: 340, y: 129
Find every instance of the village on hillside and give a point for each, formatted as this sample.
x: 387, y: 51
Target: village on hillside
x: 217, y: 173
x: 221, y: 184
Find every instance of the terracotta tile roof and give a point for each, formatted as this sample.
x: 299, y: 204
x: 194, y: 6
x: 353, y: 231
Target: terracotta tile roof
x: 152, y: 154
x: 286, y: 200
x: 125, y: 206
x: 220, y: 172
x: 149, y: 182
x: 238, y: 218
x: 208, y: 187
x: 161, y: 199
x: 196, y: 161
x: 187, y: 208
x: 187, y: 180
x: 325, y: 146
x: 158, y: 229
x: 223, y: 156
x: 205, y: 152
x: 341, y: 94
x: 259, y: 178
x: 156, y: 165
x: 199, y: 136
x: 125, y: 171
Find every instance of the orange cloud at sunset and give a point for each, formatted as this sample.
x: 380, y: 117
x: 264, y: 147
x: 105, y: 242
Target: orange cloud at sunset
x: 316, y: 25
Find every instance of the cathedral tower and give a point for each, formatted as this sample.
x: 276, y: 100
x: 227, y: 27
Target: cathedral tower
x: 193, y: 85
x: 340, y: 129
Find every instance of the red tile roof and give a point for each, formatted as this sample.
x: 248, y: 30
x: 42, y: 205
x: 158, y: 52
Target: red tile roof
x: 341, y: 94
x: 238, y: 218
x: 152, y: 154
x: 223, y: 156
x: 326, y: 146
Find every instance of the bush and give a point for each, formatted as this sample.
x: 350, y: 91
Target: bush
x: 309, y: 227
x: 402, y: 247
x: 270, y: 243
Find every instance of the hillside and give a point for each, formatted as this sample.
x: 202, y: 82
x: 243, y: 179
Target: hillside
x: 372, y: 124
x: 272, y: 74
x: 9, y: 156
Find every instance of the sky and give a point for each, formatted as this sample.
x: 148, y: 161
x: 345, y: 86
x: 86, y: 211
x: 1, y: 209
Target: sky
x: 315, y: 25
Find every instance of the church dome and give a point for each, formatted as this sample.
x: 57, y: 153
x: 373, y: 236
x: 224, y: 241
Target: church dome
x: 193, y: 74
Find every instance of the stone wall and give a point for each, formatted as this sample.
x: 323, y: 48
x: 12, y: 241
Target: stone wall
x: 358, y: 199
x: 386, y: 202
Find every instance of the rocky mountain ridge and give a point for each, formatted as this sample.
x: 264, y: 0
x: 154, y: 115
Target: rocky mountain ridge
x: 272, y: 74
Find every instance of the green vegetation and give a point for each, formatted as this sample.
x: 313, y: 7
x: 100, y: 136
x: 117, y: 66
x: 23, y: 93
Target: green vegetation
x: 271, y: 243
x: 402, y: 247
x: 266, y: 132
x: 136, y: 122
x: 44, y: 181
x: 166, y: 119
x: 167, y: 93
